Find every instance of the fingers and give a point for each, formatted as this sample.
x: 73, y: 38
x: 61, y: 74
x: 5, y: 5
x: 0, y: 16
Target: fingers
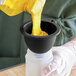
x: 46, y: 71
x: 56, y: 67
x: 50, y: 68
x: 59, y: 66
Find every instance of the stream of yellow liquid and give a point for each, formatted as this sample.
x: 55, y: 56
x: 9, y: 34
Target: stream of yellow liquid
x: 34, y: 7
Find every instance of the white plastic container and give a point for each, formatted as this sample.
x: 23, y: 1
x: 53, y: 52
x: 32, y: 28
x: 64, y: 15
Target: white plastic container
x: 36, y: 62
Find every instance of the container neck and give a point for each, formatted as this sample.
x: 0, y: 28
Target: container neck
x: 45, y: 56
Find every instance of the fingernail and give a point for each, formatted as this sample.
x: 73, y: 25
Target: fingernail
x: 46, y: 70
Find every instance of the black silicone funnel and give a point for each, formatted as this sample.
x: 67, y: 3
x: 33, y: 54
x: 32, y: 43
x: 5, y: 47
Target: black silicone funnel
x: 40, y: 44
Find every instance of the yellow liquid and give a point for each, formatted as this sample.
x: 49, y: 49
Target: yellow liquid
x: 36, y: 30
x: 34, y: 7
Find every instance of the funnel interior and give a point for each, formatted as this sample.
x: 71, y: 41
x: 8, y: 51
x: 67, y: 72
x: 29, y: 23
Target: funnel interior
x: 49, y: 28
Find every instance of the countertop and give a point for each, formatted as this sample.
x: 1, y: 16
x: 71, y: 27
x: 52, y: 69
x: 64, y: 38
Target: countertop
x: 20, y: 71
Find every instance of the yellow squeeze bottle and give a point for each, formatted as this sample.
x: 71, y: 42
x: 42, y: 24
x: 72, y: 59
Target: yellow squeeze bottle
x: 34, y: 7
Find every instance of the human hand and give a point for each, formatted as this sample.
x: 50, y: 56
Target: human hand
x: 63, y: 61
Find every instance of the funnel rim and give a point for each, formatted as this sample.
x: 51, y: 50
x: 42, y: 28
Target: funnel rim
x: 51, y: 35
